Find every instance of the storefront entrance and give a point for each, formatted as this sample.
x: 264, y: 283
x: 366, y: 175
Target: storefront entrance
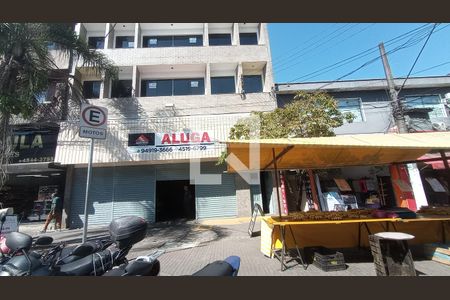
x: 175, y: 199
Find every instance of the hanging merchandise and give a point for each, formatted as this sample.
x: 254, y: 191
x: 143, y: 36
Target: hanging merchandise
x: 363, y: 186
x: 308, y: 193
x: 283, y: 194
x: 342, y: 185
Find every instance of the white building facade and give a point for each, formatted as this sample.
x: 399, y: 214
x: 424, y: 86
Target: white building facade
x: 180, y: 89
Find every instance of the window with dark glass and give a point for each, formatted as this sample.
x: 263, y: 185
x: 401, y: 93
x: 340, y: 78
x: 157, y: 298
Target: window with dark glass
x: 153, y: 88
x: 248, y: 38
x: 252, y: 84
x: 125, y: 42
x: 91, y: 89
x: 187, y: 40
x: 223, y: 85
x: 427, y: 101
x: 157, y: 41
x: 220, y: 39
x: 96, y: 42
x: 121, y: 88
x: 194, y: 86
x: 353, y: 106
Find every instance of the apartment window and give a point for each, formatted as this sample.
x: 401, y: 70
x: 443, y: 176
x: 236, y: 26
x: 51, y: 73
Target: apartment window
x: 172, y: 87
x: 194, y: 86
x: 125, y: 42
x: 187, y: 40
x: 252, y: 84
x: 157, y: 41
x: 351, y: 106
x: 223, y: 85
x: 219, y: 39
x: 153, y: 88
x: 121, y: 88
x: 96, y: 42
x: 427, y: 101
x: 173, y: 41
x: 248, y: 38
x: 91, y: 89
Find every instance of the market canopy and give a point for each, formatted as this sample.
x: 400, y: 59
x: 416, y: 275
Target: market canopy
x: 336, y: 151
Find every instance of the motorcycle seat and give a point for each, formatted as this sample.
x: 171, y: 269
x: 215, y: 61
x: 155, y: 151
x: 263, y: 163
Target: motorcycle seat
x: 97, y: 263
x: 217, y: 268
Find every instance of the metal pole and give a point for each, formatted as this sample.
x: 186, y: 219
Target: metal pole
x: 88, y: 182
x: 277, y: 183
x: 397, y: 110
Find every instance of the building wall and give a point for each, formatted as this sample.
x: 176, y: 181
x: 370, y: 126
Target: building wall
x: 72, y: 149
x: 375, y: 107
x: 216, y: 114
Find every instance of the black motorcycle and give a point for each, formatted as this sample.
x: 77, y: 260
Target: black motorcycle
x: 99, y: 257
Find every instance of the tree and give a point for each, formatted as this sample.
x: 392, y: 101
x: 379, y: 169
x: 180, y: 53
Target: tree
x: 310, y: 114
x: 27, y: 67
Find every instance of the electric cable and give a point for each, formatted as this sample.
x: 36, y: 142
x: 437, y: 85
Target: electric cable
x: 417, y: 58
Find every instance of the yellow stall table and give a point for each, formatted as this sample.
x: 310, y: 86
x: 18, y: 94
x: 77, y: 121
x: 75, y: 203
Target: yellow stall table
x: 343, y: 233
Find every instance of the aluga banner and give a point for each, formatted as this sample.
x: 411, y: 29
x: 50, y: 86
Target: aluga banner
x: 160, y: 142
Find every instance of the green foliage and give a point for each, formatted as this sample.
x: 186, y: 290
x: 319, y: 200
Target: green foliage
x: 308, y: 115
x: 26, y: 63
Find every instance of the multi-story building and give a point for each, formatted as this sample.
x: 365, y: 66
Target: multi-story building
x: 425, y: 102
x: 179, y: 90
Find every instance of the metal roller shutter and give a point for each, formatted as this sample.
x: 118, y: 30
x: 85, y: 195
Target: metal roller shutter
x: 115, y: 192
x: 215, y: 201
x: 99, y: 206
x: 134, y: 192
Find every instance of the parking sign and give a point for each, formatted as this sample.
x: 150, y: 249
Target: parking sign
x: 93, y: 121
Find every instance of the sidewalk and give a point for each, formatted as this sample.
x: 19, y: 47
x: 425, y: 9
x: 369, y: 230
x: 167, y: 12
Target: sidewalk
x: 189, y: 246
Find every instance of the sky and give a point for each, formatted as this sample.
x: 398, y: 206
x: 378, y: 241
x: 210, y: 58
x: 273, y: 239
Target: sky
x: 304, y: 52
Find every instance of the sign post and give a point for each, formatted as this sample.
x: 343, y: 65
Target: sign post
x: 93, y: 121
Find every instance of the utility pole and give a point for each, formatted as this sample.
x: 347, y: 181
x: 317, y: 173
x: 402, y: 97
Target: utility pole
x: 397, y: 110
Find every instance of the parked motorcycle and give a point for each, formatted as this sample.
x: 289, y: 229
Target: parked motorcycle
x: 98, y: 257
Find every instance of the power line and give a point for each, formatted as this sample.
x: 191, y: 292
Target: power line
x: 430, y: 68
x: 298, y: 46
x: 367, y: 63
x: 310, y: 50
x: 417, y: 58
x: 362, y: 54
x: 313, y: 44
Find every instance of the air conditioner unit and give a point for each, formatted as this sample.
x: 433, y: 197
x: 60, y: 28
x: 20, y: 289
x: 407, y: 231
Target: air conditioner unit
x: 439, y: 126
x: 447, y: 98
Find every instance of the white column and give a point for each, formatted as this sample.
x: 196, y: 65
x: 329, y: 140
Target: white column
x: 135, y: 82
x: 262, y: 33
x: 109, y: 36
x: 239, y: 74
x: 205, y: 34
x: 417, y: 185
x: 104, y: 87
x: 235, y: 40
x: 137, y: 36
x: 208, y: 79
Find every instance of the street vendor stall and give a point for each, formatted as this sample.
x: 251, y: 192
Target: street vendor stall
x: 338, y: 230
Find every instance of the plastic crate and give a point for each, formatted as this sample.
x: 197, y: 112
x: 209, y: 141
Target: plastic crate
x: 328, y: 260
x: 329, y: 267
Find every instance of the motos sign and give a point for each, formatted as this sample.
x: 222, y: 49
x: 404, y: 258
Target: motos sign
x: 169, y: 142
